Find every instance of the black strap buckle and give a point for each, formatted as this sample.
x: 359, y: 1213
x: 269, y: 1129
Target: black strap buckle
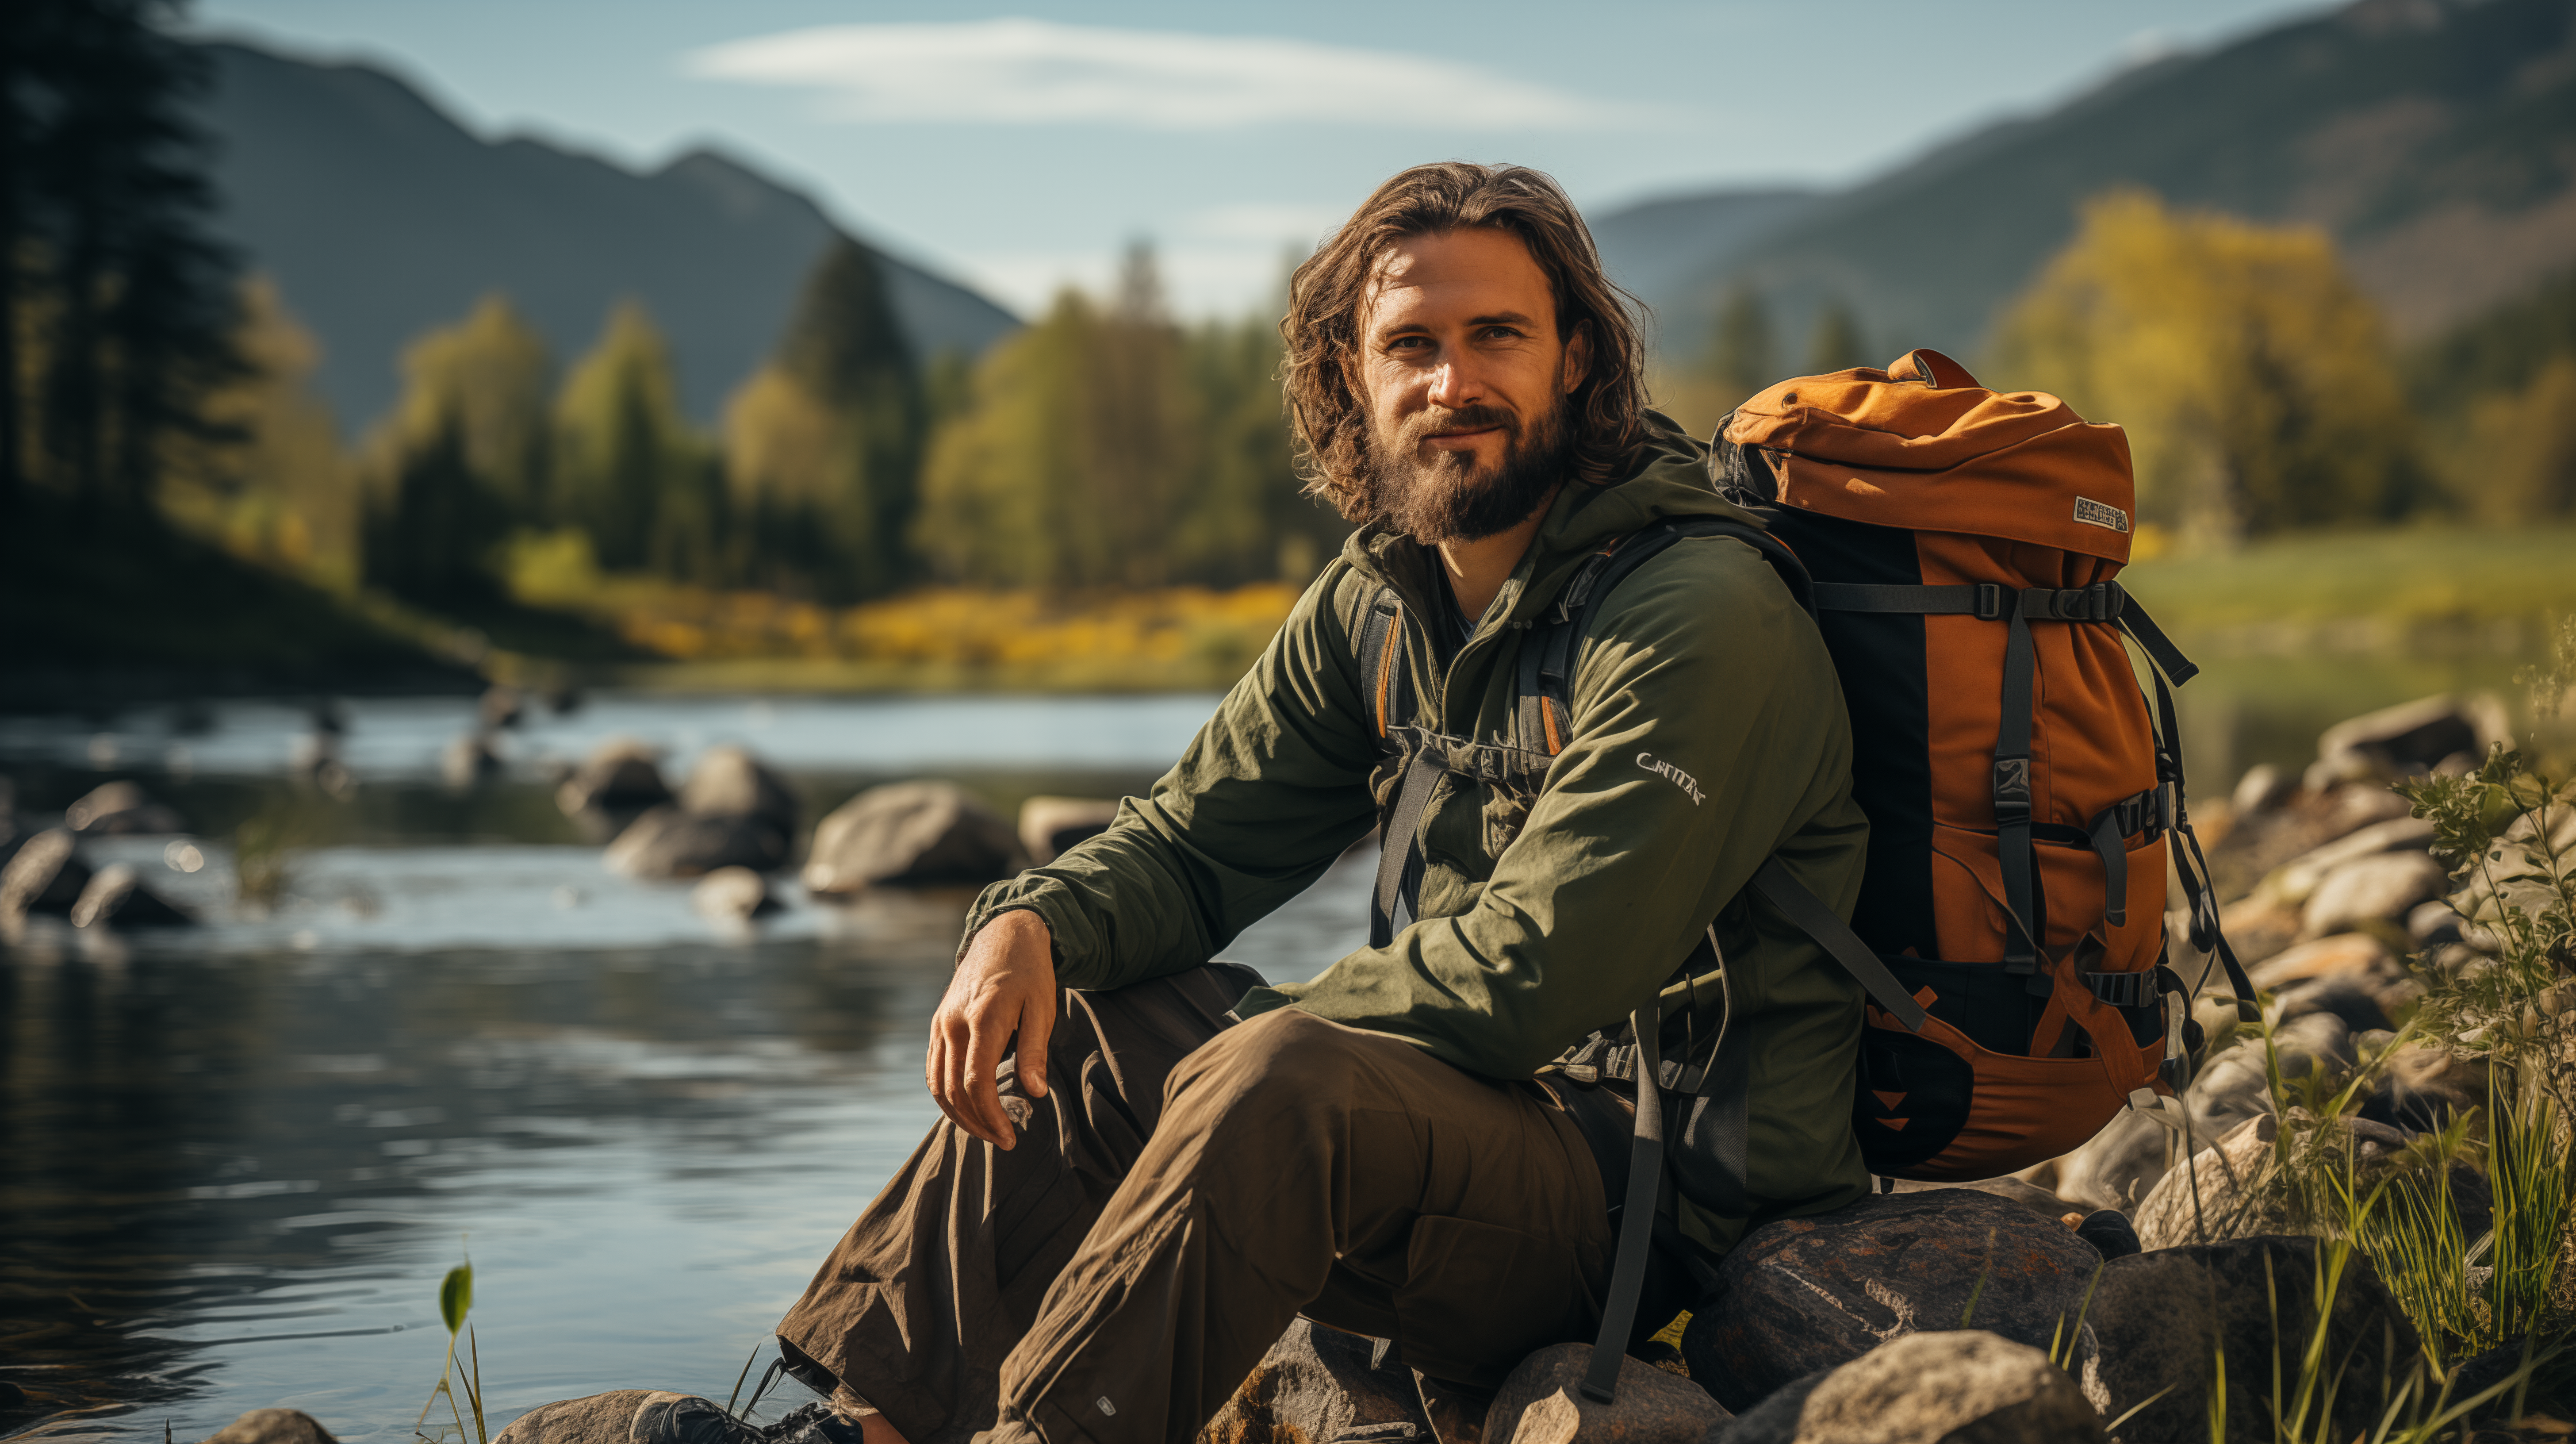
x: 2124, y: 990
x: 1990, y: 602
x: 2012, y: 791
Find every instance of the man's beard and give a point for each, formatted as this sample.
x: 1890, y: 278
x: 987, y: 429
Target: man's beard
x: 1448, y: 496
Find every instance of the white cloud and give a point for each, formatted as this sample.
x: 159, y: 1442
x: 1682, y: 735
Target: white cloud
x: 1027, y: 72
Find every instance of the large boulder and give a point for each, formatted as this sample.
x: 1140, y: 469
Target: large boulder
x: 1803, y: 1294
x: 2381, y: 888
x: 1542, y: 1402
x: 1962, y: 1386
x: 593, y: 1419
x: 2160, y: 1320
x: 907, y: 833
x: 45, y: 876
x: 621, y: 775
x: 730, y: 782
x: 273, y: 1426
x: 117, y: 897
x: 1049, y: 825
x: 1319, y: 1384
x: 667, y: 842
x: 119, y: 808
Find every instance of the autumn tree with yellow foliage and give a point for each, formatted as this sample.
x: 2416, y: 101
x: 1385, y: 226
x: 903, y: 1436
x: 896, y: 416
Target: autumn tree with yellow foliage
x: 2253, y: 377
x: 278, y: 490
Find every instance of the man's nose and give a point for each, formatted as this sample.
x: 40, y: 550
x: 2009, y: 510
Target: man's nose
x: 1456, y: 384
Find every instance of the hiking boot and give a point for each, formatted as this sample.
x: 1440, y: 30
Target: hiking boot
x: 687, y: 1419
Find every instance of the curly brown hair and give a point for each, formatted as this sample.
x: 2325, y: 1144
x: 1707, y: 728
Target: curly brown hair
x: 1328, y: 292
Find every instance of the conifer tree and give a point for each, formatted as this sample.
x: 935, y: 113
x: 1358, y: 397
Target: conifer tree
x: 1835, y: 344
x: 823, y: 444
x: 105, y: 265
x: 1743, y: 357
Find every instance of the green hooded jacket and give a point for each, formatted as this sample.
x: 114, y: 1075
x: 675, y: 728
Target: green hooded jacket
x: 1708, y: 733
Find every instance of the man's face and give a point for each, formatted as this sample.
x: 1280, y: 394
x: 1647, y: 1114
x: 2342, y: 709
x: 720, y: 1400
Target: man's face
x: 1466, y: 379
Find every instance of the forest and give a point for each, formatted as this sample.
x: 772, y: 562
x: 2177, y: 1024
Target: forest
x: 155, y: 416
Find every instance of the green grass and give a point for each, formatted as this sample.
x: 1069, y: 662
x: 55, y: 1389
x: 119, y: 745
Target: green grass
x: 2440, y: 588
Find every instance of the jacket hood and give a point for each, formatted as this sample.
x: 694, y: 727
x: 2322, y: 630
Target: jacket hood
x: 1668, y: 476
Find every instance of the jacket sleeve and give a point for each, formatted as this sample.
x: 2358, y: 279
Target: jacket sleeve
x: 1708, y: 728
x: 1272, y: 789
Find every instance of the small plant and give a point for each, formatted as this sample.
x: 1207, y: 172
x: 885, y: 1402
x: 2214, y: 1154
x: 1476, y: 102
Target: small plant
x: 455, y: 1298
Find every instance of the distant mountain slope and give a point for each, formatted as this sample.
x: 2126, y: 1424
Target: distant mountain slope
x: 379, y: 217
x: 1658, y: 248
x: 2434, y: 139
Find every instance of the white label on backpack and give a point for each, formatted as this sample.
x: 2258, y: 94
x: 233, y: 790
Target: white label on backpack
x: 2094, y: 513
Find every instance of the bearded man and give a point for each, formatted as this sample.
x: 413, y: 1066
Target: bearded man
x: 1151, y: 1163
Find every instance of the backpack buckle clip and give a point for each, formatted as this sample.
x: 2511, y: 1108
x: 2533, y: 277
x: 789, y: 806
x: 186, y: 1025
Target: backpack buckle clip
x: 1990, y: 602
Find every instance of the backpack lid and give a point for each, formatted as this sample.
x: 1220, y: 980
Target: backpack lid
x: 1921, y: 445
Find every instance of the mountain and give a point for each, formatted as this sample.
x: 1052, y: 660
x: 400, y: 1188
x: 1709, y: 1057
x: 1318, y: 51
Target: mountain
x: 1659, y: 247
x: 2435, y: 140
x: 379, y: 217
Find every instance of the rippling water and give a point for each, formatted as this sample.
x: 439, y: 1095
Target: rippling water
x: 239, y: 1158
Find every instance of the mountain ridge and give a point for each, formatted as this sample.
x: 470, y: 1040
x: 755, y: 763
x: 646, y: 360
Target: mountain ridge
x: 334, y: 175
x: 2435, y: 140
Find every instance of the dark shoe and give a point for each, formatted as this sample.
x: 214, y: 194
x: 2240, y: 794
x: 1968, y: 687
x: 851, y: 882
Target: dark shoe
x: 687, y: 1419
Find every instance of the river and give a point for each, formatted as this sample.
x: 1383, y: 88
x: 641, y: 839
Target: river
x: 238, y: 1158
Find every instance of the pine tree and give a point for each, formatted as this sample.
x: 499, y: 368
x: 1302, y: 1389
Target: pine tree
x: 1835, y: 344
x: 103, y: 230
x: 1743, y: 358
x: 823, y: 444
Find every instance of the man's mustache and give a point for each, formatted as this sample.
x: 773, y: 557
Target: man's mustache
x: 1441, y: 421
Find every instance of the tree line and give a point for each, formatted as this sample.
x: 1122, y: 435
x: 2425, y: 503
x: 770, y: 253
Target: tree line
x: 2260, y: 389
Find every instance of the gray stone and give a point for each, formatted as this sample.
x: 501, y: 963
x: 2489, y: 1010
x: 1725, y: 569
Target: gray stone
x: 2360, y: 1008
x: 1049, y: 825
x: 501, y: 707
x: 2264, y: 787
x: 1802, y: 1294
x: 2295, y: 881
x: 120, y: 808
x: 620, y: 775
x: 667, y: 842
x: 2433, y: 924
x: 1317, y: 1385
x: 1959, y: 1387
x: 467, y: 760
x: 730, y: 782
x: 1542, y: 1402
x: 2342, y: 955
x: 910, y: 832
x: 117, y: 897
x: 2159, y: 1320
x: 2123, y: 1163
x: 2376, y: 889
x: 732, y: 894
x: 273, y: 1426
x: 2015, y: 1190
x: 592, y: 1419
x: 2412, y: 736
x: 46, y: 876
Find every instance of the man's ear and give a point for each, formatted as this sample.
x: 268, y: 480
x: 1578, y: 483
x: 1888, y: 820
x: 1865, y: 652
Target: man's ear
x: 1578, y: 357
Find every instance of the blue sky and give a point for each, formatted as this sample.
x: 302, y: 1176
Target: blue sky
x: 1022, y: 147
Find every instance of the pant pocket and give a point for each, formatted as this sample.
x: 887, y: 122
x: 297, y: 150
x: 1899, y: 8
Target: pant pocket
x: 1478, y: 1298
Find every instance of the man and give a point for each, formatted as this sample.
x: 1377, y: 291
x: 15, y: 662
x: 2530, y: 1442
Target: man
x: 1134, y: 1194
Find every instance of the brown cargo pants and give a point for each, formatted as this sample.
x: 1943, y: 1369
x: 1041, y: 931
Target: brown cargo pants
x: 1186, y: 1189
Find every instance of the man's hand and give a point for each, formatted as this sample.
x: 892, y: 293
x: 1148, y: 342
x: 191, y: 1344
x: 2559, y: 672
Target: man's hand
x: 1005, y: 985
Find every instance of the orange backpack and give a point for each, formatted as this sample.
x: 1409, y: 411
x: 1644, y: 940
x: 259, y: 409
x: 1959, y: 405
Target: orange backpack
x: 2022, y: 801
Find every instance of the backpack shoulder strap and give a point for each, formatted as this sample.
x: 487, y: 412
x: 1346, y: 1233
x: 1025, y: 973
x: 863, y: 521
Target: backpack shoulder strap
x: 1386, y: 687
x: 1546, y: 686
